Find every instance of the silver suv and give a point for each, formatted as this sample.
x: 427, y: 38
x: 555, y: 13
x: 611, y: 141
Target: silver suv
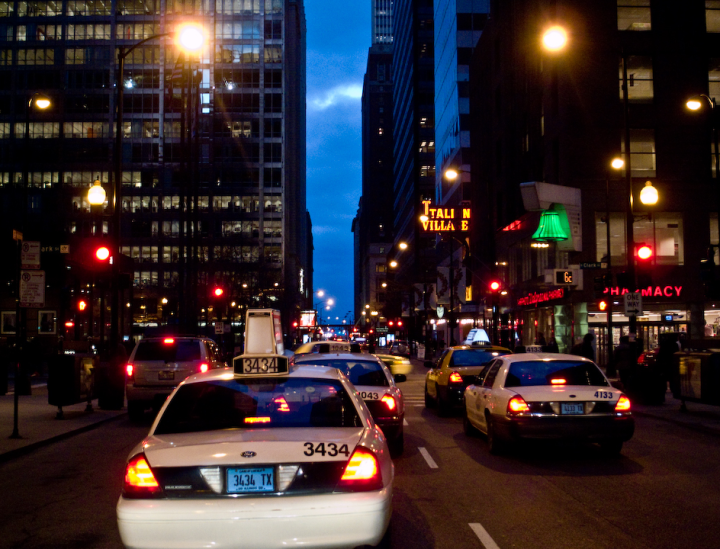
x: 158, y: 364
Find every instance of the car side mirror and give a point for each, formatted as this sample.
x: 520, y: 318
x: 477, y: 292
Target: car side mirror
x: 429, y: 364
x: 399, y: 378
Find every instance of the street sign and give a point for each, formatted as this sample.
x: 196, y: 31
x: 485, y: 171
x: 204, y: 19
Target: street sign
x: 30, y: 255
x: 32, y: 289
x: 595, y: 265
x: 219, y: 327
x: 57, y: 249
x: 633, y: 303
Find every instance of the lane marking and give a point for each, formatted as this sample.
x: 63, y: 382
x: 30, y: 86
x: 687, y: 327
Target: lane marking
x: 428, y: 458
x: 485, y: 538
x: 405, y: 423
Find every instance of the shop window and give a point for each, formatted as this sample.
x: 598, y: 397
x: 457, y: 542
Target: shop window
x: 634, y: 15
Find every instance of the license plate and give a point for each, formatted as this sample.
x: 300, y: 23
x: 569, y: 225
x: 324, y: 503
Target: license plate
x: 572, y: 408
x: 245, y: 481
x: 166, y: 376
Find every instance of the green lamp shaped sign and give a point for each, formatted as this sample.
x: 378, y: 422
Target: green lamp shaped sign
x: 553, y: 226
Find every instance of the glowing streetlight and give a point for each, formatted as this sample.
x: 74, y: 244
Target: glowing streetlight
x: 451, y: 174
x: 649, y: 194
x: 96, y: 194
x: 555, y: 38
x: 403, y: 245
x: 617, y: 163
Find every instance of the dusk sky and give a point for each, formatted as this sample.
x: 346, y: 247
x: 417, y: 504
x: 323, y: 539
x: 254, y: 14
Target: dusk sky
x: 338, y: 38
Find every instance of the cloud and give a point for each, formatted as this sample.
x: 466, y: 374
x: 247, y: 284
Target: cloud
x: 352, y: 92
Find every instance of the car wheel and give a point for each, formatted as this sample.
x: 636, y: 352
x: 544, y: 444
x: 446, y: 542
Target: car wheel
x: 429, y: 403
x: 468, y: 427
x: 495, y: 444
x: 136, y: 410
x: 397, y: 445
x: 611, y: 447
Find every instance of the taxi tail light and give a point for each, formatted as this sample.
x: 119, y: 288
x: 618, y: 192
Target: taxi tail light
x: 455, y: 378
x: 204, y: 368
x: 517, y: 405
x: 623, y: 404
x: 389, y: 402
x: 362, y: 472
x: 140, y: 482
x: 169, y: 341
x: 130, y: 370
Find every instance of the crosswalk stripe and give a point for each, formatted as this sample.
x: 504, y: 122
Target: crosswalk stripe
x: 485, y: 538
x: 428, y: 458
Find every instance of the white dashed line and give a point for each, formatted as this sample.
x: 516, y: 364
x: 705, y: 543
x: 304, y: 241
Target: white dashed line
x: 485, y: 538
x: 430, y: 460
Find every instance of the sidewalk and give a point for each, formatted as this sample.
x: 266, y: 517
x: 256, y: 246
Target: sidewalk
x: 37, y: 424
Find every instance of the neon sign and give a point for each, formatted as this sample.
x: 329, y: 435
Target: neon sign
x: 650, y: 291
x: 533, y: 298
x: 445, y: 219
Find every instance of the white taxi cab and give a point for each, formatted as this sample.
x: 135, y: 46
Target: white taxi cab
x: 261, y: 455
x: 376, y: 385
x: 547, y: 396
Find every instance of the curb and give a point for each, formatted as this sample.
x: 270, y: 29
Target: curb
x: 12, y: 454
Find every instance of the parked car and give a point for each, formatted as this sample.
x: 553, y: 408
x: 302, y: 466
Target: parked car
x: 158, y: 364
x: 400, y: 347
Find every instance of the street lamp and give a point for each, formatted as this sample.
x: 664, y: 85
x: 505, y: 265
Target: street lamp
x: 190, y: 37
x: 555, y: 38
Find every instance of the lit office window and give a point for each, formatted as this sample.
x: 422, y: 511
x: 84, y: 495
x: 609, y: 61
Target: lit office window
x: 633, y: 15
x: 642, y: 152
x: 712, y: 15
x: 639, y: 78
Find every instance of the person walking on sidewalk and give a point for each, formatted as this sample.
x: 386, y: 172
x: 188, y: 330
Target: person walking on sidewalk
x: 624, y: 360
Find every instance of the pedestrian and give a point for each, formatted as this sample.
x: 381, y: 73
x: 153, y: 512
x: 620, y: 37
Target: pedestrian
x: 540, y: 339
x: 624, y: 360
x: 587, y: 347
x: 577, y: 348
x: 552, y: 347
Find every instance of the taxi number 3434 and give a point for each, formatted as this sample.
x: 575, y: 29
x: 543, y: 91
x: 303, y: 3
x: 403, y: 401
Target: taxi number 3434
x: 330, y: 448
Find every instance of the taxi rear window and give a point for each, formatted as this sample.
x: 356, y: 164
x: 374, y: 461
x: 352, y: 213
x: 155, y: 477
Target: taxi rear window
x: 359, y: 372
x: 258, y: 403
x: 542, y: 372
x: 178, y: 351
x: 473, y: 357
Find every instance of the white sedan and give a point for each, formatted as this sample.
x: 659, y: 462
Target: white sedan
x: 547, y: 396
x: 259, y: 461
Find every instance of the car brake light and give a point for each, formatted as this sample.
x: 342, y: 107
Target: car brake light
x: 389, y: 401
x: 139, y: 479
x: 168, y: 341
x: 455, y: 378
x: 641, y: 359
x: 623, y: 404
x: 361, y: 472
x: 558, y: 381
x: 130, y: 369
x: 204, y: 368
x: 517, y: 405
x: 263, y: 419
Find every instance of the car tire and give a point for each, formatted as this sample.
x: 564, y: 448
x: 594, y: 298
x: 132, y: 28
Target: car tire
x: 469, y: 428
x: 495, y: 444
x: 611, y: 447
x: 397, y: 445
x: 136, y: 410
x: 443, y: 407
x: 429, y: 402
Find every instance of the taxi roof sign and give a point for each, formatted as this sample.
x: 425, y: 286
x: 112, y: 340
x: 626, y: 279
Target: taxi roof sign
x: 261, y: 365
x: 263, y: 332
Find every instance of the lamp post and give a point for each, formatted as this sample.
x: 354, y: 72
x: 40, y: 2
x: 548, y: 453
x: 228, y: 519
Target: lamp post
x: 39, y: 101
x: 189, y: 37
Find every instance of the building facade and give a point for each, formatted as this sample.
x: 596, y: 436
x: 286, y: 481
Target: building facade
x: 212, y: 157
x: 617, y: 89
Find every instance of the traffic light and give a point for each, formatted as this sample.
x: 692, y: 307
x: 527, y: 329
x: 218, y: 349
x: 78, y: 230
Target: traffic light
x: 218, y: 291
x: 494, y: 286
x: 399, y: 323
x: 602, y: 305
x: 644, y: 254
x: 82, y: 305
x: 391, y: 323
x: 102, y: 254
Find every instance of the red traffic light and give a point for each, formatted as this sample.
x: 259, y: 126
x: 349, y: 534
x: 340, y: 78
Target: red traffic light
x: 218, y: 292
x: 295, y: 324
x: 494, y: 285
x: 391, y: 323
x: 399, y: 322
x: 644, y: 252
x: 102, y: 253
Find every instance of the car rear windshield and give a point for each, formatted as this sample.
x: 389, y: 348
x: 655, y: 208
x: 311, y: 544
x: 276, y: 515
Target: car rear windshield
x: 177, y: 351
x: 359, y: 372
x: 542, y: 372
x: 475, y: 357
x: 258, y: 403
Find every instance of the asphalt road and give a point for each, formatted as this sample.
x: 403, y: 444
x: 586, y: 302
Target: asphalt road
x: 449, y: 491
